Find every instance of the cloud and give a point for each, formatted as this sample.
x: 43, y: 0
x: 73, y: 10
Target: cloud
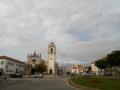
x: 92, y: 50
x: 84, y: 30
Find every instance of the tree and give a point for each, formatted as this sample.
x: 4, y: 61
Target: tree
x: 114, y: 58
x: 102, y: 64
x: 114, y: 62
x: 41, y: 68
x: 89, y: 69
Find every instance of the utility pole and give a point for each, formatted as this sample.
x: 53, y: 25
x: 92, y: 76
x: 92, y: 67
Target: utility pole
x: 62, y: 62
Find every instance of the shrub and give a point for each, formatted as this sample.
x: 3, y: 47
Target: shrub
x: 95, y: 81
x: 87, y: 77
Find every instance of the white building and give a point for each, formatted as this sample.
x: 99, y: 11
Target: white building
x: 9, y: 65
x: 95, y: 69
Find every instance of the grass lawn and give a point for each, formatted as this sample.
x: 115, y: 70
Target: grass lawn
x: 105, y: 84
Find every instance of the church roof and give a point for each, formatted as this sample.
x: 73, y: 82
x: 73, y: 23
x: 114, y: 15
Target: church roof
x: 34, y: 54
x: 52, y: 44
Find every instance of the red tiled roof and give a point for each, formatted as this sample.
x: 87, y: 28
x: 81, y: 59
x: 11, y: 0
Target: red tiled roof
x: 79, y: 66
x: 82, y: 66
x: 6, y: 57
x: 104, y: 58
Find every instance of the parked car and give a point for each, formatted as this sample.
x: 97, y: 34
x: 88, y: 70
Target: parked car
x: 101, y: 74
x: 68, y: 73
x: 88, y: 75
x: 72, y: 74
x: 15, y: 75
x: 38, y: 76
x: 108, y: 74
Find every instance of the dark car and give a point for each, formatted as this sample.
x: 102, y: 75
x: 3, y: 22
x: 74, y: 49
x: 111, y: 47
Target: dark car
x: 72, y: 74
x: 15, y: 75
x: 68, y: 73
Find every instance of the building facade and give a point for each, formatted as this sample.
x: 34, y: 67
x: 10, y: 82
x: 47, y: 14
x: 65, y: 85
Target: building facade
x: 77, y: 68
x: 35, y: 59
x: 95, y: 69
x: 9, y: 65
x: 115, y: 70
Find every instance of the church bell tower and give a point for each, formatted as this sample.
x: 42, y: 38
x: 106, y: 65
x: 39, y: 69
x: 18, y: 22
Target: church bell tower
x: 51, y: 58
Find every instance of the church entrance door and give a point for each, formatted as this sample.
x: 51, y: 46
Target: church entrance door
x: 50, y: 71
x: 32, y: 71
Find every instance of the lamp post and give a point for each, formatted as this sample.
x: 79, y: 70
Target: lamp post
x: 67, y: 66
x: 62, y: 62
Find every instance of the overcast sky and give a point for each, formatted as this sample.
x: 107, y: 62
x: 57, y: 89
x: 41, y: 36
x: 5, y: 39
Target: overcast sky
x: 85, y: 30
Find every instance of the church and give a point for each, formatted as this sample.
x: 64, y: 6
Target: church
x: 35, y: 59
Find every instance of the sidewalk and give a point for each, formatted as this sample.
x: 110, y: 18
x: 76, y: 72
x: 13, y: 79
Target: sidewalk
x: 3, y: 78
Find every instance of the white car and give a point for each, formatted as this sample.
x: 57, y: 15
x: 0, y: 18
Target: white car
x: 38, y: 76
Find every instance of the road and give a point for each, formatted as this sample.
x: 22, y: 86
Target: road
x: 36, y: 84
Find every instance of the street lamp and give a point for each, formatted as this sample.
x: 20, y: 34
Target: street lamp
x: 67, y: 66
x: 62, y: 62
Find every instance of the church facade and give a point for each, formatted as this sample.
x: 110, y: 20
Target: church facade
x: 35, y: 59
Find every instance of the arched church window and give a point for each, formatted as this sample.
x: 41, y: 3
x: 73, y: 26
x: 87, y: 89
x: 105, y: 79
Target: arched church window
x: 51, y: 49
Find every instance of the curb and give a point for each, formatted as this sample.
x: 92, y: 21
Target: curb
x: 3, y: 79
x: 78, y: 86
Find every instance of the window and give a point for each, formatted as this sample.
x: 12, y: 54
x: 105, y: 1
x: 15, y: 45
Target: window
x: 28, y: 66
x: 51, y: 49
x: 17, y: 64
x: 33, y: 60
x: 2, y: 62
